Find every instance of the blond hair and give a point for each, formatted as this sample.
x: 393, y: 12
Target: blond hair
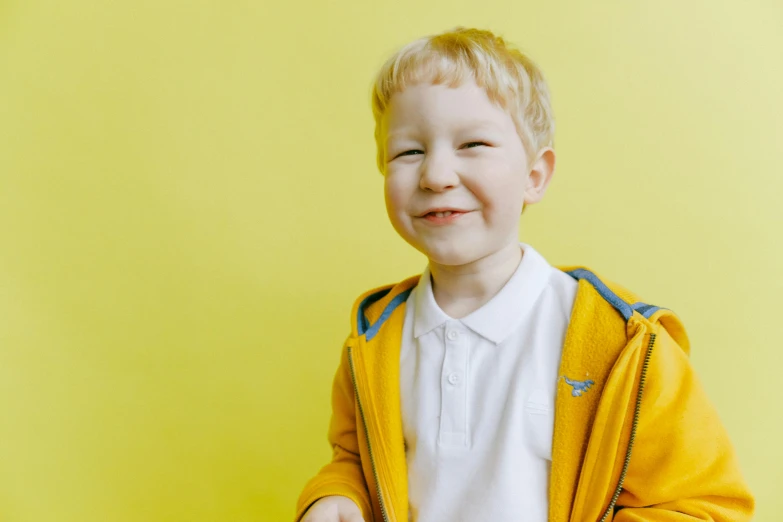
x: 510, y: 79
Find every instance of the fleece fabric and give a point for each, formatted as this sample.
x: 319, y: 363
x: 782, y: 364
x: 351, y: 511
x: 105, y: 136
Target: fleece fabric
x: 635, y: 438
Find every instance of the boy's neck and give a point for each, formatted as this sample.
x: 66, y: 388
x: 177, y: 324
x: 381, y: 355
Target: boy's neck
x: 460, y: 290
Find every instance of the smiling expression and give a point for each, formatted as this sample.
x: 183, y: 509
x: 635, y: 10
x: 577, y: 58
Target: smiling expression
x: 456, y: 172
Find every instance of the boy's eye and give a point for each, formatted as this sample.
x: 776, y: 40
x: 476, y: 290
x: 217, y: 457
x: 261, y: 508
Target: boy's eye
x: 409, y: 153
x: 469, y: 145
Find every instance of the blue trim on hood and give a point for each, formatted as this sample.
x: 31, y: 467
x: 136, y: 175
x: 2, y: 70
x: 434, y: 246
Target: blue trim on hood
x: 646, y: 309
x: 371, y: 330
x: 364, y: 326
x: 362, y: 323
x: 625, y: 309
x: 621, y: 306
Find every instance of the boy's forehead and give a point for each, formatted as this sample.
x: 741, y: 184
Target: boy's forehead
x: 436, y: 105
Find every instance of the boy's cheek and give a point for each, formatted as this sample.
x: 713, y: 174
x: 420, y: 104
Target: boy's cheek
x: 395, y: 194
x: 394, y: 210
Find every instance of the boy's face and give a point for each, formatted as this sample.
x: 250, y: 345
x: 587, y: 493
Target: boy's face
x: 452, y: 148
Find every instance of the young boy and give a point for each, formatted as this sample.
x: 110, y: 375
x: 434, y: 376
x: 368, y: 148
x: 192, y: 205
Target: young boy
x: 495, y: 387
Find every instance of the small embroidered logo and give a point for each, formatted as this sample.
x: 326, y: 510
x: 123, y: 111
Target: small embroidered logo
x: 579, y: 387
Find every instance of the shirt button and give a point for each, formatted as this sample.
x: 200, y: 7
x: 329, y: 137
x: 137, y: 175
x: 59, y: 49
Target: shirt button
x: 452, y: 335
x: 454, y: 378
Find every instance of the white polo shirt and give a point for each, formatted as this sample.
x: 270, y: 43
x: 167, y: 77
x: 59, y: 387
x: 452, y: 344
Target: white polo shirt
x: 478, y: 397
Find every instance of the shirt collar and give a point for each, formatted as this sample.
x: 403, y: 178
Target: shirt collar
x: 497, y: 318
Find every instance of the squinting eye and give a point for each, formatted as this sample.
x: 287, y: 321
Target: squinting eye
x: 473, y: 144
x: 408, y: 153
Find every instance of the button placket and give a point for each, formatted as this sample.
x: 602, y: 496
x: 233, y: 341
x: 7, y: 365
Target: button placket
x: 453, y: 427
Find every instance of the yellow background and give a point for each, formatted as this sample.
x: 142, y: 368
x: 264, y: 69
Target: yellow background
x: 189, y: 205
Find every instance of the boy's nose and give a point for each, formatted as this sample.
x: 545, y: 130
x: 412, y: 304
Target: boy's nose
x: 437, y: 174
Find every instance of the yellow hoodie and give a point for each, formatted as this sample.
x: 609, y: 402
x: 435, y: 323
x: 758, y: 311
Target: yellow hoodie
x: 635, y: 439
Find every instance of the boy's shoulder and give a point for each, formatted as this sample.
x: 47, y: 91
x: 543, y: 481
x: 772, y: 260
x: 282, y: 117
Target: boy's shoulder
x: 621, y: 298
x: 595, y: 290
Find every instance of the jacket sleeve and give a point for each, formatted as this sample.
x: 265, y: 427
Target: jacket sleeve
x: 343, y: 475
x: 683, y: 466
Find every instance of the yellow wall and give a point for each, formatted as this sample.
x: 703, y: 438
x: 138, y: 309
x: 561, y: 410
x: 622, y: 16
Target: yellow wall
x: 189, y: 205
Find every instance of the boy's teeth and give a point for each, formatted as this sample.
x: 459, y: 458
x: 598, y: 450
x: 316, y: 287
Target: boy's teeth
x: 443, y: 214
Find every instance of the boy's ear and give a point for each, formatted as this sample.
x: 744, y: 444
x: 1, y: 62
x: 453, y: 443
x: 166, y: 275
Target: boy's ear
x: 541, y: 172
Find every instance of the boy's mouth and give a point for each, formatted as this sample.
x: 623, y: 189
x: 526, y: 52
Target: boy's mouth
x: 443, y: 216
x: 442, y: 212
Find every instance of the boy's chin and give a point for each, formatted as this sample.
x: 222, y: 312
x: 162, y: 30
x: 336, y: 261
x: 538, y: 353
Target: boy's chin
x: 450, y: 255
x: 460, y: 254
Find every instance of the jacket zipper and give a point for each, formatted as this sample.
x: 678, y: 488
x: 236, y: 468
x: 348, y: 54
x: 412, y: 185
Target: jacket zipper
x: 639, y: 394
x: 367, y: 436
